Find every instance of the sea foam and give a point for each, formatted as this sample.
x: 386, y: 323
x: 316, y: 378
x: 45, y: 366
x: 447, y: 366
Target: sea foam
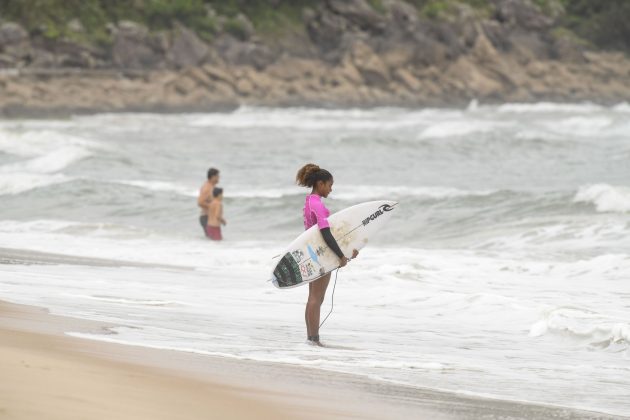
x: 606, y: 198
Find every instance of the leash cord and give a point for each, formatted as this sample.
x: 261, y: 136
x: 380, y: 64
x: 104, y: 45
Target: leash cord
x: 332, y: 301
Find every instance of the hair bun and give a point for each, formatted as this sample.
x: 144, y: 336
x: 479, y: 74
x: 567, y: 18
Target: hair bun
x: 310, y: 173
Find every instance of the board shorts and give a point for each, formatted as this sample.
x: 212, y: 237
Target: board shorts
x: 214, y: 233
x: 203, y: 221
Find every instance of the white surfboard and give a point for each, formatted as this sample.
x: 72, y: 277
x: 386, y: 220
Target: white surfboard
x: 308, y: 257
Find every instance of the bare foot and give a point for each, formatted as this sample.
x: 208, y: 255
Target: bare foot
x: 315, y: 343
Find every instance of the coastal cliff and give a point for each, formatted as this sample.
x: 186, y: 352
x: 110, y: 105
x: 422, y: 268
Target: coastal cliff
x: 218, y: 55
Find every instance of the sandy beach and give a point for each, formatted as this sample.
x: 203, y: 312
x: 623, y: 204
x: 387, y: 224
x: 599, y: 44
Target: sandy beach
x: 50, y: 376
x: 72, y: 378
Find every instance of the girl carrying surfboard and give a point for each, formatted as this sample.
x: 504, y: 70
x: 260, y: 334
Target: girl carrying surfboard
x: 315, y: 213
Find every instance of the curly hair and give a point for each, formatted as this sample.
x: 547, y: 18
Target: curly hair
x: 310, y: 174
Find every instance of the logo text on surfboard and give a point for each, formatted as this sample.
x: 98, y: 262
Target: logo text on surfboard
x: 382, y: 209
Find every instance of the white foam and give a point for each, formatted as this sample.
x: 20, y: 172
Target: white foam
x: 162, y: 186
x: 320, y: 119
x: 365, y: 192
x: 606, y: 198
x: 458, y: 128
x: 345, y: 192
x: 622, y: 107
x: 19, y: 182
x: 587, y: 327
x: 549, y: 107
x: 473, y: 105
x: 581, y: 126
x: 33, y: 143
x: 124, y: 243
x: 130, y: 302
x: 47, y: 152
x: 565, y: 235
x: 54, y: 161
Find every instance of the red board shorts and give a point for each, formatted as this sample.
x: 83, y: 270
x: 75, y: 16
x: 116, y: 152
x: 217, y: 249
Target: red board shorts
x: 214, y: 233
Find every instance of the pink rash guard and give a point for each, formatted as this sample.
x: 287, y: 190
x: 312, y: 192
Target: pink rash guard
x: 315, y: 212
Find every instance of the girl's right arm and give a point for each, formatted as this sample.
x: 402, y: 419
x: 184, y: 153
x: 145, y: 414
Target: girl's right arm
x: 324, y: 227
x: 332, y: 244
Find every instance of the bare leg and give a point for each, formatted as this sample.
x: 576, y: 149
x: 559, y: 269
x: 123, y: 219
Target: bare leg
x: 316, y: 294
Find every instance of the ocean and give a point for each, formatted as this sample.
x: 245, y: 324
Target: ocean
x: 505, y: 272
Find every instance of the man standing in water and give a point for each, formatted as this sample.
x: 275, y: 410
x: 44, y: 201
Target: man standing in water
x: 205, y: 197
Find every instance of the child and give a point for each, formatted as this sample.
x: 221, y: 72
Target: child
x: 215, y: 215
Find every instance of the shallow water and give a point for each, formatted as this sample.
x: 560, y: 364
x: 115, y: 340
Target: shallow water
x: 504, y: 273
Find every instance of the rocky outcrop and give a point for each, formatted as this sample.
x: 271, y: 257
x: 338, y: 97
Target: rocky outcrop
x: 14, y: 45
x: 135, y: 48
x: 186, y: 49
x: 348, y: 55
x: 483, y: 75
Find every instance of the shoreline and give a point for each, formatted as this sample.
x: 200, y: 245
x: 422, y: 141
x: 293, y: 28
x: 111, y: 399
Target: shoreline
x: 311, y: 83
x: 17, y: 113
x: 299, y: 392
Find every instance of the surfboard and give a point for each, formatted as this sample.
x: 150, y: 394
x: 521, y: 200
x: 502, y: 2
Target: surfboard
x: 308, y: 258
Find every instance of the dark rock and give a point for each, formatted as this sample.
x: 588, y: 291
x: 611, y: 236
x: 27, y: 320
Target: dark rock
x: 12, y: 35
x: 246, y: 26
x: 81, y: 60
x: 530, y: 45
x: 445, y: 34
x: 429, y: 52
x: 360, y: 14
x: 326, y: 29
x: 187, y: 50
x: 249, y: 53
x: 373, y: 70
x: 497, y: 34
x: 401, y: 13
x: 135, y: 48
x: 468, y: 30
x: 42, y: 59
x: 523, y: 14
x: 566, y: 49
x: 7, y: 61
x: 68, y: 54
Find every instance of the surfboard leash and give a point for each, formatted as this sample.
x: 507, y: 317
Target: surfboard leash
x: 332, y: 301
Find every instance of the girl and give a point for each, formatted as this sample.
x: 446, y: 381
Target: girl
x: 315, y: 213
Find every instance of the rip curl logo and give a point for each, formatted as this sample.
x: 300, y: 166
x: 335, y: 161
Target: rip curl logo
x: 382, y: 209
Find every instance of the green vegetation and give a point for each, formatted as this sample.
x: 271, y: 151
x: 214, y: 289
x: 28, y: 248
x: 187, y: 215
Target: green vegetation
x: 603, y: 23
x: 268, y: 17
x: 377, y: 5
x: 236, y: 28
x: 50, y: 18
x: 447, y: 9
